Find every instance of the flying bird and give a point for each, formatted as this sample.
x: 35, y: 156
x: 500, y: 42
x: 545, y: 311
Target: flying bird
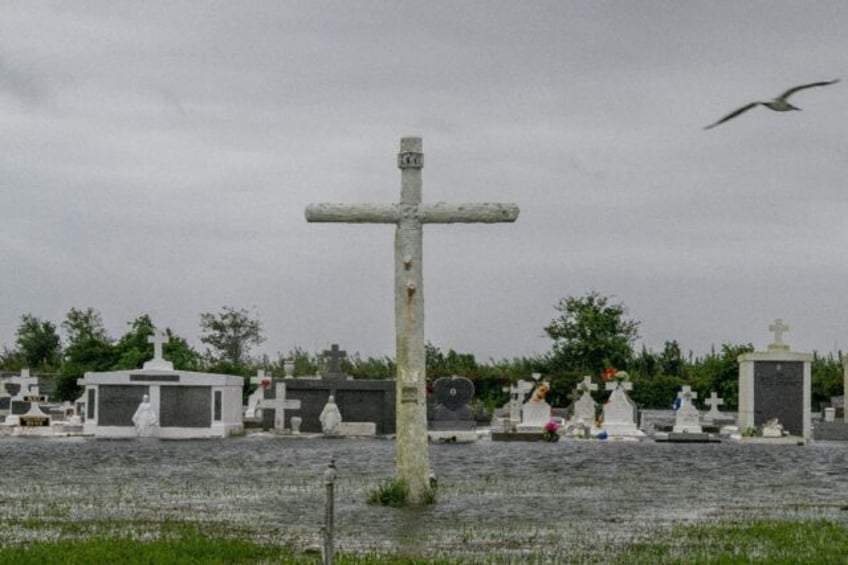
x: 779, y: 104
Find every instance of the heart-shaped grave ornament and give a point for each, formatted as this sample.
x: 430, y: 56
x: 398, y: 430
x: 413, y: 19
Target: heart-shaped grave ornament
x: 453, y: 392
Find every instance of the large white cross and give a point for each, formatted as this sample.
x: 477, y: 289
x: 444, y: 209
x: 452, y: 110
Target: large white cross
x: 409, y: 215
x: 280, y: 404
x: 613, y: 385
x: 686, y: 394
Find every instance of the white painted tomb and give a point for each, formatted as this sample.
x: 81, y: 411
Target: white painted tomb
x: 687, y: 417
x: 620, y: 412
x: 776, y: 384
x: 188, y: 404
x: 536, y: 412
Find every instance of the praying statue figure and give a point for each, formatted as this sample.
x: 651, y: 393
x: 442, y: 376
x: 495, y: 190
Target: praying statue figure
x: 331, y: 418
x: 145, y: 419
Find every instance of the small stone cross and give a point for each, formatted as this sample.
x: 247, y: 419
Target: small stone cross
x: 686, y: 395
x: 261, y: 379
x: 713, y: 402
x: 280, y: 405
x: 158, y: 339
x: 778, y: 327
x: 613, y: 385
x: 586, y: 385
x: 335, y: 356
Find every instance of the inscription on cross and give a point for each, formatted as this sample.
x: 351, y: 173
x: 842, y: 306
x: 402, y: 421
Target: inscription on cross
x: 409, y: 215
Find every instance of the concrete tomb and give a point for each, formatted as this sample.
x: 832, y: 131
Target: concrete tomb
x: 278, y: 406
x: 187, y: 404
x: 536, y: 412
x: 775, y: 384
x: 517, y: 394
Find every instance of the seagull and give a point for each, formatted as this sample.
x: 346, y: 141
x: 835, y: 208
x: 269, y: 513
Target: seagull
x: 779, y: 104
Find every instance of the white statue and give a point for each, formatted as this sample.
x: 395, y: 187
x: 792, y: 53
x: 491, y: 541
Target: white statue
x: 145, y: 419
x: 331, y: 418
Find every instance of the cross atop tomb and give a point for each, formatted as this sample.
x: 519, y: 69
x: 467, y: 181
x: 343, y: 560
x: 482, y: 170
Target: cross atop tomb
x: 334, y: 357
x: 158, y: 339
x: 261, y: 380
x: 279, y: 404
x: 586, y: 385
x: 409, y: 215
x: 778, y: 327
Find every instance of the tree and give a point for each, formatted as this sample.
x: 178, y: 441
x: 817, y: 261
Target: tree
x: 591, y: 334
x: 89, y: 348
x: 133, y: 349
x: 38, y: 343
x: 671, y: 359
x: 231, y: 333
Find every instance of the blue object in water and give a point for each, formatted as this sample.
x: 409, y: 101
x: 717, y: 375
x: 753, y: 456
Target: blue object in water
x: 603, y: 435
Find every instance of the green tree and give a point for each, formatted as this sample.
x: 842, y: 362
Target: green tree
x: 231, y: 334
x: 88, y: 348
x: 671, y: 359
x: 39, y: 343
x: 590, y: 334
x: 132, y: 350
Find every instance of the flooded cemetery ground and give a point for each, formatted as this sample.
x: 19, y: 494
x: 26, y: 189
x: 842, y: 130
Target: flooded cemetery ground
x: 578, y: 497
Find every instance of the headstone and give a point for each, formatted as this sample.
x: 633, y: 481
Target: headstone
x: 409, y: 215
x: 620, y: 411
x: 144, y: 419
x: 775, y: 384
x: 331, y: 418
x: 713, y: 402
x: 263, y: 383
x: 295, y: 424
x: 453, y: 404
x: 536, y: 412
x: 687, y: 417
x: 585, y: 407
x: 772, y: 429
x: 279, y: 404
x: 517, y: 394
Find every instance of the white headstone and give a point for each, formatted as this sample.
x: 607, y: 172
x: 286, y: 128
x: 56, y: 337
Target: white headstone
x: 778, y: 327
x: 262, y: 382
x: 620, y: 412
x: 158, y: 339
x: 517, y: 394
x: 536, y: 412
x: 585, y: 407
x: 713, y: 402
x: 687, y: 417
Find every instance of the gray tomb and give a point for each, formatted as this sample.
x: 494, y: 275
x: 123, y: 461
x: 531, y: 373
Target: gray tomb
x: 775, y: 384
x: 452, y: 409
x: 358, y: 400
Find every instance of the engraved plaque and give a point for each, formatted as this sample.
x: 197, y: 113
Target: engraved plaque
x: 779, y: 393
x: 409, y: 395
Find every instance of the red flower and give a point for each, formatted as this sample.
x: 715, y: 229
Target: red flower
x: 609, y: 373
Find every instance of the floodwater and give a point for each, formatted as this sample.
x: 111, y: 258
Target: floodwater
x: 516, y: 497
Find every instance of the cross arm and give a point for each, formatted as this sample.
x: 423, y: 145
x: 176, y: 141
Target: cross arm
x: 353, y: 213
x: 485, y: 212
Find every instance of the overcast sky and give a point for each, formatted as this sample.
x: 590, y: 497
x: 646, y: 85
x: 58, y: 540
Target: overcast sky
x: 156, y: 158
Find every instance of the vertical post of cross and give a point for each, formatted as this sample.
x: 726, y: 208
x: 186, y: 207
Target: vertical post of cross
x: 412, y: 457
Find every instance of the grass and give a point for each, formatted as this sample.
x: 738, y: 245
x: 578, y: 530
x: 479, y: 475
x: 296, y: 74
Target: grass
x: 395, y: 493
x: 714, y: 543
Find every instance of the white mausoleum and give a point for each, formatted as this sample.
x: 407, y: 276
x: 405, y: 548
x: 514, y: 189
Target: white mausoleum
x: 186, y: 404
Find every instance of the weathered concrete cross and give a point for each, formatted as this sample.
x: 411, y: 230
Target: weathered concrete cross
x: 686, y: 395
x: 586, y: 385
x: 157, y: 339
x: 334, y: 356
x: 778, y: 327
x: 409, y: 215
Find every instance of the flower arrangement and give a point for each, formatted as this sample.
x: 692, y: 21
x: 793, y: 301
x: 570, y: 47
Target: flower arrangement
x: 613, y: 374
x: 541, y: 391
x: 551, y: 431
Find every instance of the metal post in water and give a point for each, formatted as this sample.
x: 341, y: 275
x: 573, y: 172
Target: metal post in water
x: 327, y: 529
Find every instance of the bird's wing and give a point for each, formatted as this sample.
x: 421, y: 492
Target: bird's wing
x: 733, y: 114
x: 795, y: 89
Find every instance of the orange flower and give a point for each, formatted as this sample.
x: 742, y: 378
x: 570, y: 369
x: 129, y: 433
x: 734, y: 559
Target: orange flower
x: 609, y: 373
